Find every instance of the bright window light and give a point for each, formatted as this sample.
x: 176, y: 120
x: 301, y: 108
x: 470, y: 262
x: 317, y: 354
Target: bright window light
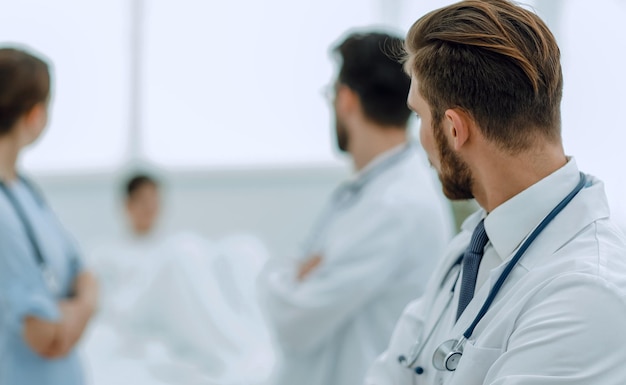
x: 87, y: 43
x: 239, y: 83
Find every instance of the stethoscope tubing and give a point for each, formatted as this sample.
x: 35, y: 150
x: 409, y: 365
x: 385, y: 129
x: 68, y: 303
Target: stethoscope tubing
x: 28, y: 227
x: 499, y: 283
x: 520, y: 252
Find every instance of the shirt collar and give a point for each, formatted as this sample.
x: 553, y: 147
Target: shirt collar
x: 470, y: 223
x: 378, y: 161
x: 508, y: 224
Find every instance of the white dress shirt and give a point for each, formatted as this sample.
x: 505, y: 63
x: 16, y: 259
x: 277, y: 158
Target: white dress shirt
x: 560, y: 315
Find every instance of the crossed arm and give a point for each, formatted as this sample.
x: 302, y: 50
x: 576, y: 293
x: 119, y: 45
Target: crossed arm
x: 56, y: 339
x: 306, y: 309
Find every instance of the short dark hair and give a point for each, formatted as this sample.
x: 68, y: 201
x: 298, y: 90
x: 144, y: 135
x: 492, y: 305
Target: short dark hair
x: 137, y: 181
x: 371, y: 67
x: 24, y: 82
x: 495, y: 60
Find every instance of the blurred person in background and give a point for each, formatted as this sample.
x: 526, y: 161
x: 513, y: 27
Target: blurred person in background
x: 143, y: 204
x: 127, y: 259
x: 46, y: 296
x: 177, y: 304
x: 375, y: 245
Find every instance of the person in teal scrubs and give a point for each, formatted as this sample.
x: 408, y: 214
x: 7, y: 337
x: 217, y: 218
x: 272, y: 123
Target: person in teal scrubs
x: 46, y: 296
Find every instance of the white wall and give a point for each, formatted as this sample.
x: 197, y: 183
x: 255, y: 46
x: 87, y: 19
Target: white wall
x: 277, y: 205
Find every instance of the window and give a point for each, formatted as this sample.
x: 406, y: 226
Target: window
x: 239, y: 83
x: 87, y: 44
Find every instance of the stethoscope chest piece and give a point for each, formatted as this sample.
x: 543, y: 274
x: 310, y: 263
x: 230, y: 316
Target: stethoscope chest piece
x: 448, y: 355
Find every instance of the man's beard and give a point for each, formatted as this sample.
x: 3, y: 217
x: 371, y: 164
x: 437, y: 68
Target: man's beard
x: 455, y: 175
x: 341, y: 135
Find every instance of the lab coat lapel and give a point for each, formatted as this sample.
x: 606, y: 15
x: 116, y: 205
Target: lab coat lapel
x: 588, y: 206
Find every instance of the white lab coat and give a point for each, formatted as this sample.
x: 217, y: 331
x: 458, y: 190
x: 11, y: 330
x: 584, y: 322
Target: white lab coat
x: 558, y: 319
x: 378, y: 252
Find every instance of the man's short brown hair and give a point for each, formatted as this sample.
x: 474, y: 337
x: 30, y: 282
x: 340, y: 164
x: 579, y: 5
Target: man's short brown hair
x: 495, y: 60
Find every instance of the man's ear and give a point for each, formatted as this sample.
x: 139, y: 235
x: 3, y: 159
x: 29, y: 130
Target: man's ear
x: 458, y: 125
x: 347, y: 100
x: 37, y: 116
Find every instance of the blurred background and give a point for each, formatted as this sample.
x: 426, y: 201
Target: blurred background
x: 223, y: 98
x: 222, y: 101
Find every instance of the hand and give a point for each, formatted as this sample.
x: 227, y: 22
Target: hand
x: 74, y: 321
x: 78, y: 315
x: 55, y: 339
x: 308, y: 267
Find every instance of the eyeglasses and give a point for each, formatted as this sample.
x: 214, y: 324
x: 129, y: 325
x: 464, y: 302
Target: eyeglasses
x: 329, y: 92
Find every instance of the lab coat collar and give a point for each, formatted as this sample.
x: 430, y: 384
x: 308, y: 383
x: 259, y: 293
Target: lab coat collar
x: 589, y: 205
x: 378, y: 162
x: 384, y: 162
x: 511, y: 222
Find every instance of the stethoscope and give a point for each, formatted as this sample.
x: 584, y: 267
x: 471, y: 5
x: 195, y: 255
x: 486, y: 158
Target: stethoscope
x: 48, y: 274
x: 448, y: 355
x: 347, y: 194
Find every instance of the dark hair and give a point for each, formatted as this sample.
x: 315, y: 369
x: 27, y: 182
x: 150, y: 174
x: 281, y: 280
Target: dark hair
x: 137, y: 181
x: 24, y: 82
x: 495, y: 60
x: 370, y: 68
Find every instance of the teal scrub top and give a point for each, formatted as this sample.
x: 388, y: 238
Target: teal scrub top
x: 24, y: 291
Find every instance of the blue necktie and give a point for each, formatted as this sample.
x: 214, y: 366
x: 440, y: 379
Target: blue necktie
x: 471, y: 262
